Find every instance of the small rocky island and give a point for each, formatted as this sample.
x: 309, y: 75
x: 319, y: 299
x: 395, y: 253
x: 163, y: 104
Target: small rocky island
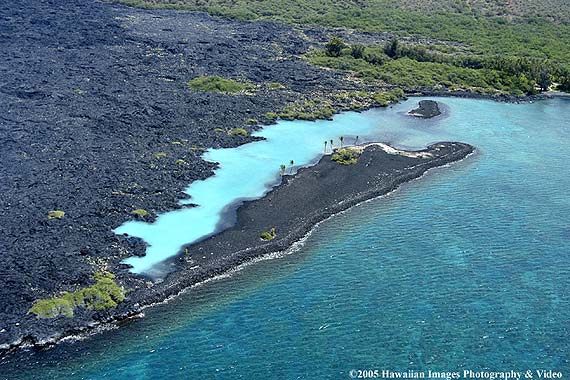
x: 426, y: 110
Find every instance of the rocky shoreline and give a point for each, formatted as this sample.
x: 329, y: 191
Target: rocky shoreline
x: 380, y: 169
x: 97, y: 121
x: 299, y: 203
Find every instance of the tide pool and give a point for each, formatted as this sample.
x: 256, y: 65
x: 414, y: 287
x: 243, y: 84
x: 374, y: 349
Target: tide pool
x: 465, y: 268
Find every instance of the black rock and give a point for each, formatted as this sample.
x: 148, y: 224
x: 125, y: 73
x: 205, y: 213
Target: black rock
x: 427, y: 109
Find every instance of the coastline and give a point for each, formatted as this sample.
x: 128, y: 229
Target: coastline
x: 408, y: 168
x: 111, y: 168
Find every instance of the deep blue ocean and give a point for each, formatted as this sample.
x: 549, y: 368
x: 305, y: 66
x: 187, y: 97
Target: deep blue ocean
x: 465, y: 268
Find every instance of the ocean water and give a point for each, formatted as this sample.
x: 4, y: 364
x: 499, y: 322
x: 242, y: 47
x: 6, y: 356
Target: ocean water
x: 465, y: 268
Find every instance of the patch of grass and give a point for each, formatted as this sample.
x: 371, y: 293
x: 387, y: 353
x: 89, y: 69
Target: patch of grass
x: 181, y: 162
x: 271, y: 115
x: 252, y: 121
x: 160, y: 155
x: 309, y: 110
x: 216, y: 83
x: 104, y: 294
x: 268, y: 235
x: 327, y: 104
x: 56, y: 214
x: 385, y: 98
x: 219, y: 130
x: 345, y: 156
x: 357, y: 100
x: 238, y: 132
x: 140, y: 212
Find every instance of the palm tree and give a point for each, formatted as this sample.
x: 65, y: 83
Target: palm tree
x: 331, y: 145
x: 341, y: 140
x: 291, y: 167
x: 356, y: 141
x: 282, y: 167
x: 326, y: 146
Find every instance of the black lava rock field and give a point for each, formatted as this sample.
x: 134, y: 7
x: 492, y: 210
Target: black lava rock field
x: 97, y: 120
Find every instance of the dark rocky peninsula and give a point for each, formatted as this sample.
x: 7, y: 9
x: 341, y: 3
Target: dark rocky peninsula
x: 300, y: 202
x: 426, y: 110
x: 293, y: 208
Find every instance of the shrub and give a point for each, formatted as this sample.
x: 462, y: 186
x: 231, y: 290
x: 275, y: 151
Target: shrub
x: 140, y: 212
x: 218, y: 84
x: 392, y: 48
x: 335, y: 46
x: 271, y: 115
x: 384, y: 98
x: 357, y: 51
x: 104, y: 294
x: 53, y: 307
x: 345, y: 156
x: 238, y: 132
x: 56, y: 214
x: 268, y: 235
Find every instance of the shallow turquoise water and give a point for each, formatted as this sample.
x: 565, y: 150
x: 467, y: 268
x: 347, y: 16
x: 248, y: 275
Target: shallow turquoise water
x: 467, y: 267
x: 245, y: 172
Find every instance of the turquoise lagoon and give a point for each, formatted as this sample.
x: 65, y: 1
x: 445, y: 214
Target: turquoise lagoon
x: 245, y: 172
x: 465, y: 268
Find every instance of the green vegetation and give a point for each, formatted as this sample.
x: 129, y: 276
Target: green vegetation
x: 218, y: 84
x: 160, y: 155
x: 238, y: 132
x: 271, y: 115
x: 464, y: 21
x: 357, y: 100
x: 384, y: 98
x: 268, y: 235
x: 308, y: 110
x: 416, y: 67
x: 325, y: 106
x: 104, y: 294
x: 140, y: 212
x: 357, y: 51
x: 56, y: 214
x: 345, y: 156
x: 334, y: 47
